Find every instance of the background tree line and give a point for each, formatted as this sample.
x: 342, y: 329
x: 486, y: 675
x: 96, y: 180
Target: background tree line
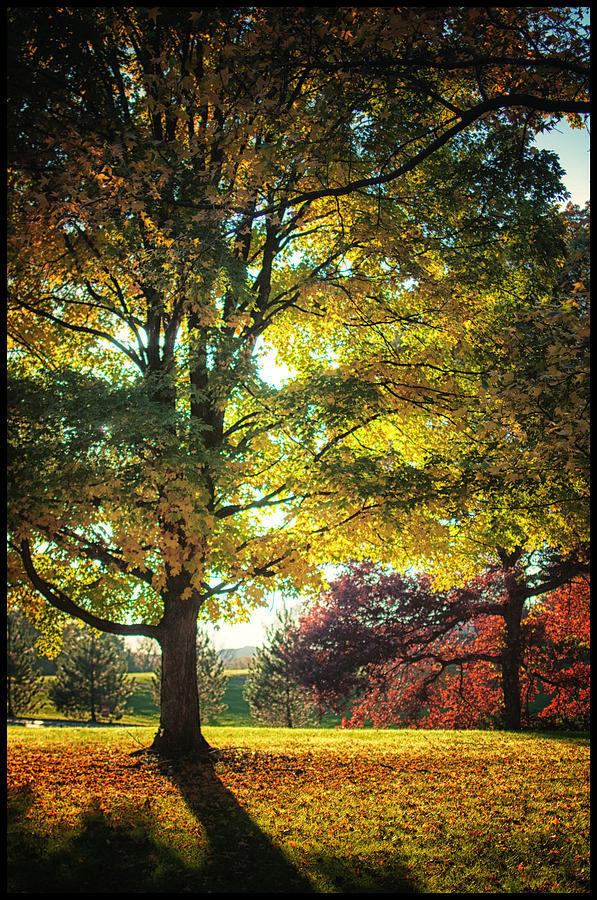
x: 89, y: 676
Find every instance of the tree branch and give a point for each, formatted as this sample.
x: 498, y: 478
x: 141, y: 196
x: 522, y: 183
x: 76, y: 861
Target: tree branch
x: 59, y: 600
x: 500, y: 102
x: 92, y: 550
x: 85, y: 329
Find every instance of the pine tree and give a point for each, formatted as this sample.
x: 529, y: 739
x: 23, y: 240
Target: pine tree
x: 91, y: 677
x: 211, y: 678
x: 143, y: 656
x: 24, y: 679
x: 273, y: 695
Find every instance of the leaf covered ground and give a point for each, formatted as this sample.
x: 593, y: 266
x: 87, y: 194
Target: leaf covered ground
x: 299, y: 812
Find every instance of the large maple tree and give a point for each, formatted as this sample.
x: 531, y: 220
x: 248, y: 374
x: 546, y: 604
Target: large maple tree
x: 189, y: 187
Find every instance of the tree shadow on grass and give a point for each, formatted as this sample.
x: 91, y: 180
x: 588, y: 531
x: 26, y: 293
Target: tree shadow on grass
x: 243, y: 858
x: 577, y: 738
x: 240, y: 857
x: 107, y: 854
x: 102, y: 855
x: 353, y: 875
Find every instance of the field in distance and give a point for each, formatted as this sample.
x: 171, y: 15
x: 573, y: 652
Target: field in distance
x: 143, y: 710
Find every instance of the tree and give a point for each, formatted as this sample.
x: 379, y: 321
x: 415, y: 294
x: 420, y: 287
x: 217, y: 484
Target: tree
x: 180, y: 201
x: 558, y: 654
x: 143, y: 657
x: 273, y: 695
x: 211, y: 678
x: 91, y: 677
x: 24, y: 678
x: 401, y: 652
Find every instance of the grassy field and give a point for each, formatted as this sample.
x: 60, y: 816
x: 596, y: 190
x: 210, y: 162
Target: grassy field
x: 299, y: 811
x: 142, y: 709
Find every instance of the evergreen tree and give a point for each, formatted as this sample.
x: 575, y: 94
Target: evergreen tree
x: 211, y: 678
x: 144, y: 656
x: 274, y: 697
x: 24, y: 679
x: 91, y: 676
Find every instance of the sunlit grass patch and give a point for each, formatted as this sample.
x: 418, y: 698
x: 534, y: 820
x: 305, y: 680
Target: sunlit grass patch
x: 311, y: 810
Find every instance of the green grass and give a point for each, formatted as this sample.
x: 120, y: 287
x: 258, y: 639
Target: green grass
x: 238, y: 712
x: 142, y: 710
x: 300, y: 811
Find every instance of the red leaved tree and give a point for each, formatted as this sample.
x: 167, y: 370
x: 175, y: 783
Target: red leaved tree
x: 397, y: 652
x: 558, y: 659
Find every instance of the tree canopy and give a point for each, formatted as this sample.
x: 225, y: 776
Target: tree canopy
x: 191, y: 188
x: 503, y: 459
x: 396, y: 651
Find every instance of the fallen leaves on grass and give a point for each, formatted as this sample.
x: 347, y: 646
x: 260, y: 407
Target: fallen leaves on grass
x: 515, y: 814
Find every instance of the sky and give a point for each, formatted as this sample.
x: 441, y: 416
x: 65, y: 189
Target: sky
x: 572, y: 146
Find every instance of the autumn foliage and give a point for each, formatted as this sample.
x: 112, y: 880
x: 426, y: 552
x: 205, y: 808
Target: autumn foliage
x: 354, y: 191
x: 558, y: 654
x: 396, y: 652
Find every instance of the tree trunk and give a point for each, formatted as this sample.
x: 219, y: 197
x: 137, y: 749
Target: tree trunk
x: 511, y: 655
x: 180, y: 726
x: 92, y: 692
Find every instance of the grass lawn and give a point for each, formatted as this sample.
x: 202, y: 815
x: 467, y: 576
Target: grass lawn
x: 299, y: 811
x: 141, y: 707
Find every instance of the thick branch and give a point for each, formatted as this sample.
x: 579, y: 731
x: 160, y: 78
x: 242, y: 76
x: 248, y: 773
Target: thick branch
x: 267, y: 500
x: 59, y: 600
x: 501, y: 102
x: 93, y: 550
x: 563, y: 575
x: 85, y: 329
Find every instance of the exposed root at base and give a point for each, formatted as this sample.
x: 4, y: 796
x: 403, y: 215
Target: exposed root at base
x: 164, y: 750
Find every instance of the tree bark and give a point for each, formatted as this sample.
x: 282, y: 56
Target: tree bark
x: 179, y: 733
x: 511, y: 654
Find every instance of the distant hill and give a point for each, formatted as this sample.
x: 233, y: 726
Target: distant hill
x: 238, y: 657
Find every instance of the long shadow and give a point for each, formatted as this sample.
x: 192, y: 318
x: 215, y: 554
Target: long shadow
x: 105, y: 856
x: 110, y: 855
x: 577, y: 738
x: 244, y: 859
x: 240, y: 856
